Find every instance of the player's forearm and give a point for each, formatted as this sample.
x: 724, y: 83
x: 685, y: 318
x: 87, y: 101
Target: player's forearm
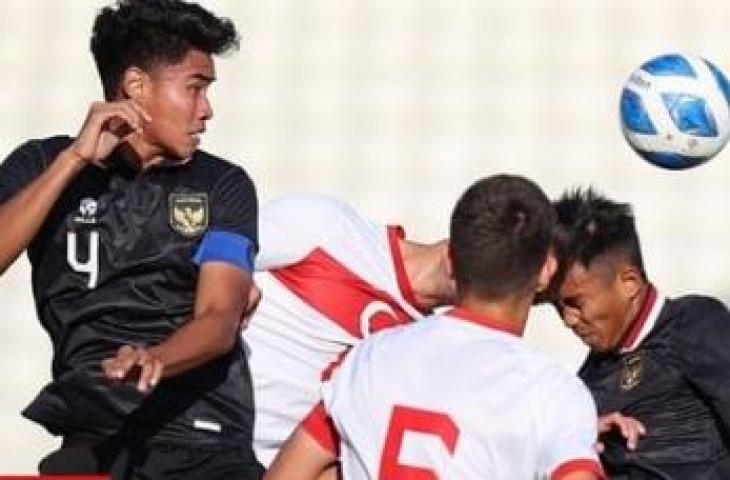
x: 23, y: 215
x: 204, y: 338
x: 302, y: 457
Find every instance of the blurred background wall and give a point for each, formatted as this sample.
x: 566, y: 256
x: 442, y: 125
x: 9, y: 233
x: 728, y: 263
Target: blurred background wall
x: 395, y: 105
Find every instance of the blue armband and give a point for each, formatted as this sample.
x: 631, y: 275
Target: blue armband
x: 222, y: 246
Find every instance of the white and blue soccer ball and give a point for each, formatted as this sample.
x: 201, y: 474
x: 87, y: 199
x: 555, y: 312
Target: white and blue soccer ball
x: 675, y: 110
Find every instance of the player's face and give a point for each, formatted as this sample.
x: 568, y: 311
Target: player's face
x: 593, y: 303
x: 178, y: 104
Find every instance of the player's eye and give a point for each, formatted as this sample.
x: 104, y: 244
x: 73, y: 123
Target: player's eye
x: 570, y: 302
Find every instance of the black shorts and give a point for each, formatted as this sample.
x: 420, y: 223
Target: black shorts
x: 154, y: 462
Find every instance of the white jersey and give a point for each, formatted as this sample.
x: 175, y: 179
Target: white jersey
x: 331, y: 278
x: 452, y: 397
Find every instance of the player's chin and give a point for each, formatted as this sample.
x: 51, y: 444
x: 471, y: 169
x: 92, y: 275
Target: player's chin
x: 183, y: 148
x: 596, y: 344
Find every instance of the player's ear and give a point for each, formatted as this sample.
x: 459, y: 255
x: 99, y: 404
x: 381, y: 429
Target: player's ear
x: 547, y: 272
x: 449, y: 270
x: 134, y: 84
x: 630, y: 280
x: 448, y: 261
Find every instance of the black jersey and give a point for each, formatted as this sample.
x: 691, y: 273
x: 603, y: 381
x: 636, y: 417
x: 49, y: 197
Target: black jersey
x: 112, y: 265
x: 676, y: 380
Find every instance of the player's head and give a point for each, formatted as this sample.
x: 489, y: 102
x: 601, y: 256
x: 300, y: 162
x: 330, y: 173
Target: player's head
x: 601, y: 273
x: 501, y: 231
x: 159, y: 53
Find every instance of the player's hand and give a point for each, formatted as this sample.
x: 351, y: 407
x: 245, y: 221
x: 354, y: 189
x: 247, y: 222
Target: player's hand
x: 631, y: 429
x: 254, y: 297
x: 107, y: 125
x: 132, y: 363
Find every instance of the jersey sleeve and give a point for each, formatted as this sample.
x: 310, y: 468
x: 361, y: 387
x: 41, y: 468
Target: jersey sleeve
x: 703, y: 337
x: 20, y: 168
x: 567, y: 430
x: 232, y: 234
x: 321, y: 428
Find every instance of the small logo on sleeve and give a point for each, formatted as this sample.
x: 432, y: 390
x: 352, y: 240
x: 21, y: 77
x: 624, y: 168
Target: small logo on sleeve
x: 188, y: 213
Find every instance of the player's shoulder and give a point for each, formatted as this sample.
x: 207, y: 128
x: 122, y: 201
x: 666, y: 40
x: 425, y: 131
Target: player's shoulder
x: 227, y: 180
x: 205, y: 163
x: 44, y: 149
x: 397, y: 340
x: 697, y: 313
x: 697, y: 303
x: 312, y: 203
x: 548, y: 376
x: 316, y: 208
x: 696, y: 322
x: 554, y: 387
x: 52, y: 145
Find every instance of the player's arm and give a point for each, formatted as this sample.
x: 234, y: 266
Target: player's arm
x: 222, y: 297
x: 23, y: 213
x: 302, y: 457
x: 225, y: 257
x: 311, y: 451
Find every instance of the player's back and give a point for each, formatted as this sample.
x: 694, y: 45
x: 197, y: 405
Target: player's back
x: 458, y: 399
x: 330, y: 277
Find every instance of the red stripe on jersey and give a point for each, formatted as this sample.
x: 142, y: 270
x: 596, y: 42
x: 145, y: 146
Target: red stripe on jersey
x: 327, y: 372
x: 578, y: 465
x: 340, y: 295
x: 640, y: 319
x: 321, y: 428
x: 483, y: 320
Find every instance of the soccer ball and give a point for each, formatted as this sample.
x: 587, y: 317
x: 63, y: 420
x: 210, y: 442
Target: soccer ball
x: 675, y: 110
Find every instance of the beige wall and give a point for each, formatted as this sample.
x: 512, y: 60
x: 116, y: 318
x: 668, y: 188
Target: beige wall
x: 395, y: 105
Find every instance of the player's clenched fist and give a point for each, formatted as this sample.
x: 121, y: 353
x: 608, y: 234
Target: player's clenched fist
x: 131, y: 362
x: 107, y: 125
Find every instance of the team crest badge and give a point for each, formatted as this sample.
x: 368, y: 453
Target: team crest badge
x: 631, y: 375
x: 188, y: 213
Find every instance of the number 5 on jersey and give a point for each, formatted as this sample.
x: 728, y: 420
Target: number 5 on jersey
x: 420, y: 421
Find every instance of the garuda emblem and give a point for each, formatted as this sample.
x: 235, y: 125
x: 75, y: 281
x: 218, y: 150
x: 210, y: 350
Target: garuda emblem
x: 631, y: 374
x: 188, y: 213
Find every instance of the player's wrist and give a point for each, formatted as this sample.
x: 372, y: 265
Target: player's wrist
x: 73, y: 158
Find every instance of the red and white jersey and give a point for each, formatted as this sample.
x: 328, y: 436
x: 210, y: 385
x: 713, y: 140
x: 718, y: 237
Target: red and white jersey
x: 330, y: 278
x: 452, y: 398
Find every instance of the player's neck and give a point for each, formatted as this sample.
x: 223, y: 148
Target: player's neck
x: 427, y: 270
x: 634, y: 306
x: 140, y: 154
x: 510, y: 312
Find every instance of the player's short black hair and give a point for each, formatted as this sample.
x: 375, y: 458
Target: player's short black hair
x: 501, y: 231
x: 150, y: 33
x: 590, y: 227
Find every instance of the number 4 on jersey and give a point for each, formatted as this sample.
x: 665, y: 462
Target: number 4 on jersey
x: 91, y: 265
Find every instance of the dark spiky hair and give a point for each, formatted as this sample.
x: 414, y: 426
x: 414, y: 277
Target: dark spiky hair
x: 149, y: 33
x: 590, y: 227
